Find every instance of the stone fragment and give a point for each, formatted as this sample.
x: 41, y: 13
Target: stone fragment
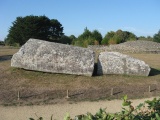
x: 117, y: 63
x: 52, y: 57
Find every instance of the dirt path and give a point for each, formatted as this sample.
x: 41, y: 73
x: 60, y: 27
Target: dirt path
x: 59, y: 110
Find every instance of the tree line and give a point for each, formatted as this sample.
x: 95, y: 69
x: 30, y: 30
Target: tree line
x: 41, y: 27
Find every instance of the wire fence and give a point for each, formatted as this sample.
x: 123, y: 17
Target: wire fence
x: 49, y: 96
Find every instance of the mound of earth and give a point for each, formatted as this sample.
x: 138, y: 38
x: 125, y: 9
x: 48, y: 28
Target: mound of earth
x: 139, y: 46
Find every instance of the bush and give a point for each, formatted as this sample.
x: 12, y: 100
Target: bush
x: 156, y: 37
x: 104, y: 41
x: 88, y: 38
x: 2, y: 43
x: 112, y: 41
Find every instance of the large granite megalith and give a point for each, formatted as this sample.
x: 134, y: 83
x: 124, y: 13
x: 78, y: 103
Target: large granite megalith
x: 117, y: 63
x: 52, y: 57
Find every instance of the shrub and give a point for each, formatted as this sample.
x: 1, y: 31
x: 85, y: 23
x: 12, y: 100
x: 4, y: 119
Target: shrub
x: 156, y: 37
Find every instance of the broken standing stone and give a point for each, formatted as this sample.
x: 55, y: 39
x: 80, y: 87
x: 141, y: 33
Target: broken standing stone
x: 52, y: 57
x: 117, y: 63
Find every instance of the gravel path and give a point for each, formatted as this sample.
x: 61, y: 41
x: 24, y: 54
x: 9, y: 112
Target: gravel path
x: 59, y: 110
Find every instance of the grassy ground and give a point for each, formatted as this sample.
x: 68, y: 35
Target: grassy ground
x: 46, y: 88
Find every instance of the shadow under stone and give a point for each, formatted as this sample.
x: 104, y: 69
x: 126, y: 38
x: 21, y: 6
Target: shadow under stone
x: 5, y: 57
x: 154, y: 72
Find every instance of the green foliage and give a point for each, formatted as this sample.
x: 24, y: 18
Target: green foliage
x: 97, y: 36
x: 156, y: 37
x: 88, y: 38
x: 108, y: 37
x: 128, y: 36
x: 65, y: 40
x: 73, y: 39
x: 67, y: 117
x: 86, y: 34
x: 104, y: 41
x: 39, y: 27
x: 118, y: 37
x: 149, y: 110
x: 2, y: 43
x: 148, y: 38
x: 55, y: 30
x: 82, y: 39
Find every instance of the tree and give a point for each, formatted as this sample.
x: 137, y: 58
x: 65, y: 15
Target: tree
x: 156, y: 37
x: 85, y: 39
x: 73, y: 38
x: 56, y: 29
x: 149, y: 38
x: 97, y: 36
x: 88, y: 38
x: 124, y: 36
x: 104, y: 41
x: 86, y: 34
x: 2, y: 43
x: 142, y: 38
x: 65, y: 40
x: 107, y: 37
x: 118, y: 37
x: 38, y: 27
x: 130, y: 36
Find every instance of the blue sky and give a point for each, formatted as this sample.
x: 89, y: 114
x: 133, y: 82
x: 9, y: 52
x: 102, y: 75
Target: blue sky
x: 142, y: 17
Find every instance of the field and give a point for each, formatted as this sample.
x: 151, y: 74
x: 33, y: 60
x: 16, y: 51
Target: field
x: 37, y: 88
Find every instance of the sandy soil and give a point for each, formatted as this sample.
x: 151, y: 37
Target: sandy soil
x: 59, y: 110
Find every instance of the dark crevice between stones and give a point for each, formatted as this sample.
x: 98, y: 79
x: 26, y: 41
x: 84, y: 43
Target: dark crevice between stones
x: 95, y: 69
x: 97, y: 72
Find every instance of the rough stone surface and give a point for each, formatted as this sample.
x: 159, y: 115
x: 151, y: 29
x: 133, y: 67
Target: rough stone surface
x: 117, y: 63
x: 52, y: 57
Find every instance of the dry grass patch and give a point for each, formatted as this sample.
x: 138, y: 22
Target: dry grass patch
x: 151, y: 59
x: 47, y: 88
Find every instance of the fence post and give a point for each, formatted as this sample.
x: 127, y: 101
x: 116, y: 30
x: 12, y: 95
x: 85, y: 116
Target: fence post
x: 67, y: 94
x: 18, y: 95
x: 111, y: 91
x: 149, y: 88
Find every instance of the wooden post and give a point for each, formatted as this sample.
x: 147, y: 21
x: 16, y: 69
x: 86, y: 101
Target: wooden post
x: 111, y: 91
x: 18, y: 95
x: 149, y: 88
x: 67, y: 94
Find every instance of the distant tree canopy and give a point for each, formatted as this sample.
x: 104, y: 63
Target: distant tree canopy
x: 73, y: 38
x: 39, y: 27
x: 88, y: 38
x: 149, y: 38
x: 118, y: 37
x: 2, y: 42
x: 65, y: 40
x: 156, y: 37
